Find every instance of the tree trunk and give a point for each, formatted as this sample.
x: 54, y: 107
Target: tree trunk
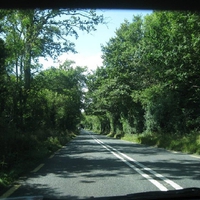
x: 27, y: 68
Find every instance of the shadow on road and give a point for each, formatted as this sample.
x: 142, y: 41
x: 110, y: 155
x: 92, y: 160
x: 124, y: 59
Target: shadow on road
x: 83, y: 162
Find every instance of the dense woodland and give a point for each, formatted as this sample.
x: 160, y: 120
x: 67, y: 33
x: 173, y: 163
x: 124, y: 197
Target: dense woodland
x: 149, y: 81
x: 150, y: 78
x: 39, y: 109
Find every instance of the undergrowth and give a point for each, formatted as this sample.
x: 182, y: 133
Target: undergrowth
x: 187, y: 143
x: 23, y: 152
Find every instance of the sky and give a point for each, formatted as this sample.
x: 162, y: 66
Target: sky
x: 88, y: 46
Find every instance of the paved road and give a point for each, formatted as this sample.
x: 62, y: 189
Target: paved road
x: 94, y: 165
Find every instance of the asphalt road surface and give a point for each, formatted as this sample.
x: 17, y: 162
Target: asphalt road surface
x: 95, y: 165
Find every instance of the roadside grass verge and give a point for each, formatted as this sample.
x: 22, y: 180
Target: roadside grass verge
x: 27, y: 150
x: 111, y: 134
x: 186, y: 143
x: 189, y: 143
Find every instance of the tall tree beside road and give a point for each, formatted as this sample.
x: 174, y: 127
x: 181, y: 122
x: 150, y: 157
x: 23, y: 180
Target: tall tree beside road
x: 32, y: 100
x: 121, y: 74
x: 40, y: 33
x: 61, y: 91
x: 170, y: 53
x: 30, y: 34
x: 152, y: 81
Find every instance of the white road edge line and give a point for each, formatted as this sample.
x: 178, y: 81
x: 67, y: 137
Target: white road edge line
x: 37, y: 168
x: 195, y: 156
x: 170, y: 182
x: 149, y: 178
x: 10, y: 191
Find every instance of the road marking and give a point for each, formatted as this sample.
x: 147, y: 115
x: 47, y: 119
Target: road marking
x: 170, y: 182
x: 174, y: 151
x: 149, y: 178
x: 10, y: 191
x: 38, y: 168
x: 195, y: 156
x: 51, y: 156
x: 173, y: 184
x: 58, y: 150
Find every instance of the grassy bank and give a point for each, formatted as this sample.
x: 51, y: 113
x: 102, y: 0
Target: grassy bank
x: 26, y: 151
x: 187, y: 143
x: 184, y: 143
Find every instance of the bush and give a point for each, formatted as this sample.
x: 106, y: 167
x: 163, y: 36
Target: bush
x: 189, y: 143
x: 34, y: 146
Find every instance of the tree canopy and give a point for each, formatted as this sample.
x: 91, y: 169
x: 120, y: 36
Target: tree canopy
x: 149, y: 81
x: 39, y: 108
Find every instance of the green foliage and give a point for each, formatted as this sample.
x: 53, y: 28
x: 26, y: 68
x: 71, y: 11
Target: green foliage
x: 55, y: 100
x: 34, y: 33
x: 110, y: 87
x: 189, y: 143
x: 52, y: 111
x: 38, y: 109
x: 131, y: 138
x: 149, y: 82
x: 37, y: 145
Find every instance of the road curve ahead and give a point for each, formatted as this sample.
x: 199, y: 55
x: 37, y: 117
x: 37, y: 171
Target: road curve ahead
x: 95, y: 165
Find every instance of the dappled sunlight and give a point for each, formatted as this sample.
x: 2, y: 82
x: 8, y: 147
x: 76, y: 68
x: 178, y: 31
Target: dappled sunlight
x: 79, y: 165
x: 84, y: 167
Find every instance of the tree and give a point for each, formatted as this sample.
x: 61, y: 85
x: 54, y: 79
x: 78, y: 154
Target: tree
x: 44, y: 33
x: 33, y: 100
x: 149, y: 81
x: 119, y: 76
x: 3, y: 73
x: 170, y: 41
x: 30, y: 34
x: 60, y: 94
